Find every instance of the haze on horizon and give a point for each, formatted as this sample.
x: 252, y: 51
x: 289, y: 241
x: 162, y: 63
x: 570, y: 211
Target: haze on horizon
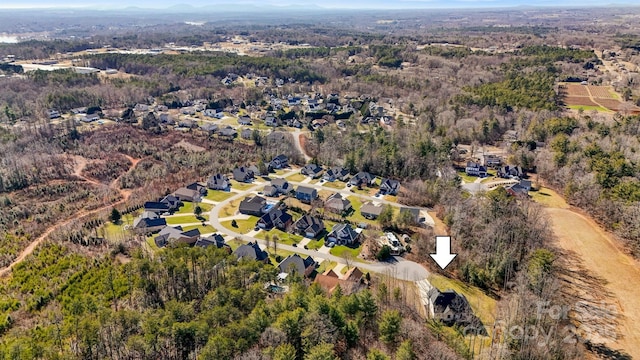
x: 289, y: 4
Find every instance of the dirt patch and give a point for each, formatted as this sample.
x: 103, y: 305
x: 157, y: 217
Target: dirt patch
x: 189, y: 146
x: 603, y: 281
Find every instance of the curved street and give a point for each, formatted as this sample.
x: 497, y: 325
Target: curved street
x: 398, y: 267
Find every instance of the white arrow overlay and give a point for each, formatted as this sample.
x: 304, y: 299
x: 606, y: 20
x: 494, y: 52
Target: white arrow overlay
x: 443, y: 255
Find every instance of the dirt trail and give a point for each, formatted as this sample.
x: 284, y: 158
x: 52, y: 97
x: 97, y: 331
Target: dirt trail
x: 80, y: 164
x: 604, y: 277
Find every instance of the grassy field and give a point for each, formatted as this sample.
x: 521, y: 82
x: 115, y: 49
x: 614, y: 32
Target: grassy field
x: 152, y: 244
x: 204, y: 229
x: 483, y: 306
x: 588, y: 108
x: 241, y: 186
x: 235, y: 243
x: 283, y: 237
x: 340, y: 250
x: 548, y: 197
x: 230, y: 209
x: 335, y: 185
x: 218, y: 195
x: 296, y: 177
x: 244, y: 226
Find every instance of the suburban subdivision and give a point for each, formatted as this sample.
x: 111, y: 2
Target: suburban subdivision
x: 315, y: 182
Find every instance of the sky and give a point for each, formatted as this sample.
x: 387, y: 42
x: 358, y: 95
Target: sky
x: 369, y: 4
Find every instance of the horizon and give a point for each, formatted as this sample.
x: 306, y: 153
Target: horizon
x: 247, y: 5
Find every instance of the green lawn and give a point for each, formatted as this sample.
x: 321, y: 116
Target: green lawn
x: 280, y: 172
x: 283, y: 237
x: 188, y: 208
x: 235, y: 243
x: 326, y: 265
x: 244, y: 226
x: 340, y: 250
x: 241, y: 186
x: 204, y: 229
x: 296, y: 177
x: 335, y: 185
x: 356, y: 216
x: 218, y: 195
x: 483, y: 306
x: 152, y: 244
x: 116, y: 231
x: 230, y: 208
x: 282, y: 253
x: 589, y: 108
x: 548, y: 197
x: 184, y: 219
x: 466, y: 178
x: 315, y: 244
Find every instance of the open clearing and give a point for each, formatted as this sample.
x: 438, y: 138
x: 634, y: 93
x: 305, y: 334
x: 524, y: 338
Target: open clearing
x: 604, y: 279
x: 591, y: 97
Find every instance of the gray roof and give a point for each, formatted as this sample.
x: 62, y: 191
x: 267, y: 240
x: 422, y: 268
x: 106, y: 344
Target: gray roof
x: 370, y: 208
x: 251, y: 251
x: 305, y: 190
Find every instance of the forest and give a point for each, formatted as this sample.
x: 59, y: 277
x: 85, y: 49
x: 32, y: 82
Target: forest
x: 79, y: 296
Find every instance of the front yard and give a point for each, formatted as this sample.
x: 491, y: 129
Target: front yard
x: 296, y: 177
x: 230, y: 209
x: 281, y: 236
x: 204, y: 229
x: 241, y: 186
x: 188, y: 208
x: 335, y: 185
x: 184, y: 219
x: 244, y: 226
x: 342, y: 250
x: 218, y: 195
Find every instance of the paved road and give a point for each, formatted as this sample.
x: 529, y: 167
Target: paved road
x: 398, y: 267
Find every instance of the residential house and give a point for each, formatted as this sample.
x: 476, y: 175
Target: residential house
x: 318, y: 123
x: 389, y: 186
x: 271, y: 121
x: 371, y: 211
x: 517, y: 190
x: 214, y: 240
x: 244, y: 120
x: 510, y: 171
x: 175, y: 235
x: 279, y: 162
x: 253, y: 205
x: 246, y: 134
x: 209, y: 128
x: 243, y: 174
x: 343, y: 234
x: 337, y: 204
x: 312, y: 170
x: 187, y: 124
x: 351, y: 283
x: 162, y: 108
x: 270, y: 191
x: 296, y: 264
x: 526, y: 184
x: 415, y: 213
x: 282, y: 185
x: 251, y: 252
x: 228, y: 132
x: 156, y: 207
x: 172, y: 202
x: 336, y: 173
x: 491, y: 160
x: 53, y: 114
x: 475, y: 169
x: 141, y: 107
x: 90, y: 117
x: 214, y: 113
x: 218, y: 182
x: 165, y: 118
x: 275, y: 218
x: 148, y: 222
x: 448, y: 306
x: 306, y: 194
x: 202, y: 189
x: 185, y: 194
x: 362, y: 179
x: 309, y: 226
